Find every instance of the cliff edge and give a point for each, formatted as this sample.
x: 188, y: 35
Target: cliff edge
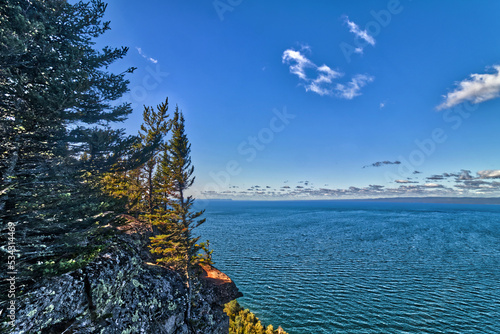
x: 121, y: 291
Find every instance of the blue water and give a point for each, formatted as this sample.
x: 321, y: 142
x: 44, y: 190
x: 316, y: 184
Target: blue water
x: 343, y: 267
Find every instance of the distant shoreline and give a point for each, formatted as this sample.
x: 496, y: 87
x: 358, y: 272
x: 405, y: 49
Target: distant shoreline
x: 430, y: 200
x: 438, y: 200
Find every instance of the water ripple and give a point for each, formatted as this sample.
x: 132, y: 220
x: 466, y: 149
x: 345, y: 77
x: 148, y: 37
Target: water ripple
x: 364, y: 268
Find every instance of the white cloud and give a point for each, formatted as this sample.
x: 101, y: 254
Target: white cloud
x: 326, y: 74
x: 352, y: 89
x: 301, y: 63
x: 432, y: 185
x: 489, y: 174
x: 325, y: 77
x: 477, y: 89
x: 363, y: 34
x: 154, y: 61
x: 323, y: 83
x: 382, y: 105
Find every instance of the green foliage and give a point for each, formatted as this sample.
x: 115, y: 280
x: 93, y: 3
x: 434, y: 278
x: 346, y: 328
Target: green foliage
x: 77, y: 255
x: 174, y: 218
x: 175, y: 244
x: 57, y: 102
x: 242, y: 321
x: 155, y: 192
x: 63, y: 163
x: 127, y: 189
x: 67, y: 264
x: 205, y: 254
x: 154, y: 128
x: 135, y: 188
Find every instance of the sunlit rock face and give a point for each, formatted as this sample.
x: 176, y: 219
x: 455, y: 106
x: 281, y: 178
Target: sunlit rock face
x: 121, y: 292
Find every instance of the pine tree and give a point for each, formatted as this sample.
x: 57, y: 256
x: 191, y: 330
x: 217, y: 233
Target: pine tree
x: 127, y: 188
x: 57, y: 101
x: 176, y: 246
x: 153, y: 129
x: 136, y: 188
x: 259, y: 329
x: 242, y: 321
x: 161, y: 179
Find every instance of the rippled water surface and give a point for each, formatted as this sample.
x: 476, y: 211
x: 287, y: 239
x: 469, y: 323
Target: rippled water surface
x: 353, y: 267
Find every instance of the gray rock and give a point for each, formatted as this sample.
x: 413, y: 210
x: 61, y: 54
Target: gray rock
x: 121, y: 292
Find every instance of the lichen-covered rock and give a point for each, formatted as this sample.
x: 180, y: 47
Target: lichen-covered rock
x: 119, y: 292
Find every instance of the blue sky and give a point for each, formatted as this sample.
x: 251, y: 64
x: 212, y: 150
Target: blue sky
x: 323, y: 99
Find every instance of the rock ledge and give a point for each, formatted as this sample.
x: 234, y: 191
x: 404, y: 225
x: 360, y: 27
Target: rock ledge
x: 120, y: 292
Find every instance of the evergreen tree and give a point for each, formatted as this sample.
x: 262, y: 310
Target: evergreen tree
x: 162, y: 179
x: 137, y: 188
x: 175, y: 218
x: 127, y: 188
x: 154, y: 128
x: 242, y: 321
x: 57, y: 101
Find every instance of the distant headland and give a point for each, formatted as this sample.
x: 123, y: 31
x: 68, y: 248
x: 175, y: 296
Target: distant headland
x: 442, y: 200
x: 435, y: 200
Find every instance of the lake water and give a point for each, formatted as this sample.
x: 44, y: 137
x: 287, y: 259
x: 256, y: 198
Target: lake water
x: 361, y: 267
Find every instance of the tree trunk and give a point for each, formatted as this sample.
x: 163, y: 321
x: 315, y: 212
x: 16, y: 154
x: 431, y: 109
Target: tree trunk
x: 150, y: 190
x: 190, y: 293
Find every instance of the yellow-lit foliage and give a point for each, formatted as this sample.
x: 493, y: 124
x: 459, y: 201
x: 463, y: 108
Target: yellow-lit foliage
x: 242, y: 321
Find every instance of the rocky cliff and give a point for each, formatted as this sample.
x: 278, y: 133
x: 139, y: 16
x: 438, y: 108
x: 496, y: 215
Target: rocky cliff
x: 122, y: 291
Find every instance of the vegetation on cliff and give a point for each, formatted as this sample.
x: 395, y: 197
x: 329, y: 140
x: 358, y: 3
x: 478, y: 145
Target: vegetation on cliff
x: 65, y: 170
x: 156, y: 194
x: 242, y: 321
x: 67, y: 173
x: 63, y: 164
x: 57, y: 109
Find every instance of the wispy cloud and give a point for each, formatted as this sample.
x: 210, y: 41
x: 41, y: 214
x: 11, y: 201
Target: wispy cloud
x: 383, y: 163
x: 356, y: 30
x: 154, y: 61
x: 301, y: 63
x: 361, y: 34
x: 353, y: 88
x: 436, y: 177
x: 405, y: 181
x: 323, y: 83
x: 477, y: 89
